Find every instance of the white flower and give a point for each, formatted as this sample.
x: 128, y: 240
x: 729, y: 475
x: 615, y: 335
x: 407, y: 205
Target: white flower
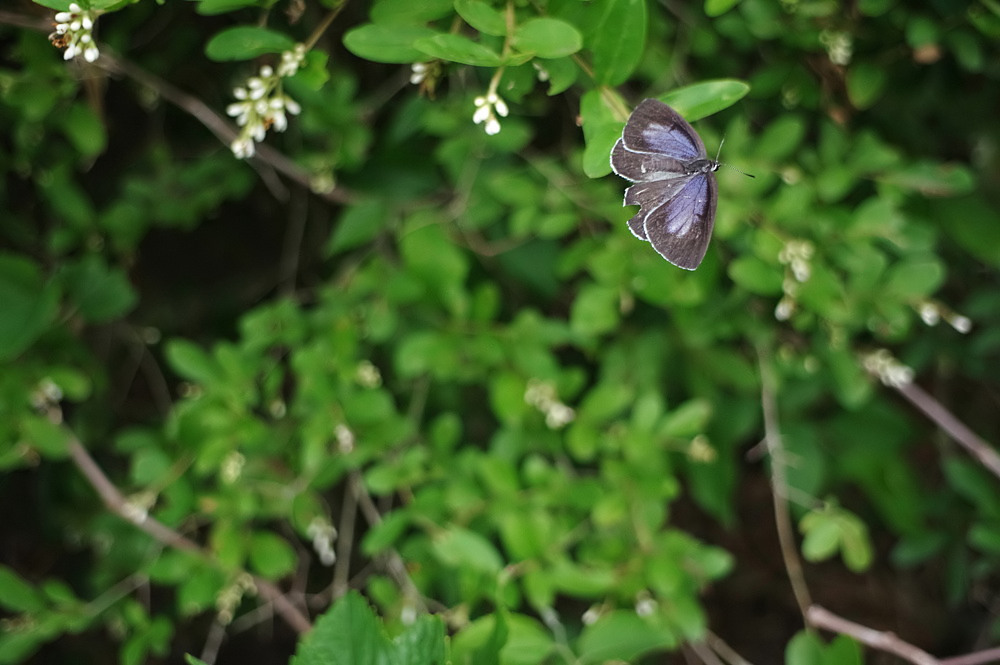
x: 74, y: 32
x: 488, y: 107
x: 261, y: 105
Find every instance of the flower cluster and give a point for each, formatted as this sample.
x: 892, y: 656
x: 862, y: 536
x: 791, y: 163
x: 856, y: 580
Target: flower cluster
x: 263, y: 104
x: 889, y: 371
x: 796, y: 254
x: 323, y: 534
x: 75, y: 33
x: 488, y: 107
x: 542, y: 395
x: 931, y: 312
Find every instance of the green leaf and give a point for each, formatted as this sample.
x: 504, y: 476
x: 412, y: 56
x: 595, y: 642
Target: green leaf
x: 915, y: 278
x: 99, y: 292
x: 409, y: 12
x: 456, y: 48
x: 482, y: 17
x: 465, y: 549
x: 271, y: 555
x: 16, y: 595
x: 805, y: 648
x: 699, y: 100
x: 190, y: 361
x: 547, y: 38
x: 719, y: 7
x: 387, y: 43
x: 350, y: 634
x: 214, y: 7
x: 595, y: 310
x: 83, y: 127
x: 617, y: 40
x: 623, y: 636
x: 358, y: 225
x: 29, y: 304
x: 864, y: 84
x: 756, y: 276
x: 600, y: 131
x: 246, y: 42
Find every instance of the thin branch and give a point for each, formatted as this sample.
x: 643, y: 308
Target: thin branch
x: 726, y: 652
x: 954, y: 427
x: 975, y: 658
x: 779, y: 484
x: 117, y: 504
x: 394, y: 562
x: 876, y: 639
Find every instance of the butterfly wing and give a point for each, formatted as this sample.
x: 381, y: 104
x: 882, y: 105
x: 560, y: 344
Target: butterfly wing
x: 677, y: 206
x: 679, y: 227
x: 656, y: 128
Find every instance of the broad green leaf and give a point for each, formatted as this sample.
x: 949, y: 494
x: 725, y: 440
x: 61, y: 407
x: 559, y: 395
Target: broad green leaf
x: 456, y: 48
x: 756, y: 276
x: 358, y: 225
x: 465, y: 549
x: 29, y: 304
x: 387, y: 43
x: 617, y: 39
x: 409, y: 12
x: 482, y: 17
x: 84, y: 129
x: 864, y: 84
x: 595, y: 310
x: 622, y: 635
x: 600, y: 131
x: 190, y: 361
x: 805, y: 648
x: 915, y: 278
x: 688, y: 419
x: 719, y: 7
x: 547, y: 38
x: 271, y: 555
x: 99, y: 292
x: 16, y: 595
x: 702, y: 99
x: 213, y: 7
x: 245, y: 42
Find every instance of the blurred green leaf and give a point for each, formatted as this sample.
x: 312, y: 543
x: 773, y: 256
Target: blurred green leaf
x: 101, y: 293
x: 29, y: 304
x: 622, y: 635
x: 246, y: 42
x: 699, y: 100
x: 617, y: 39
x: 482, y: 17
x: 457, y: 48
x: 547, y: 38
x: 388, y: 43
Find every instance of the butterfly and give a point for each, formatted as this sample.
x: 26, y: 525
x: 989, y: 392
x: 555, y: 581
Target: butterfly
x: 674, y: 183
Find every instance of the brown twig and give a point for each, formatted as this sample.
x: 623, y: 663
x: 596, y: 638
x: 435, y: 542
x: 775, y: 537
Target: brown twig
x: 779, y: 484
x: 954, y: 427
x: 876, y: 639
x: 117, y: 504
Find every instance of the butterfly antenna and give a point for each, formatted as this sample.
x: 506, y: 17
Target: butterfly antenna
x: 749, y: 175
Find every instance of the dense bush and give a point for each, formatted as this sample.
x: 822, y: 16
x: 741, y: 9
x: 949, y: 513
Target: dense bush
x: 408, y: 346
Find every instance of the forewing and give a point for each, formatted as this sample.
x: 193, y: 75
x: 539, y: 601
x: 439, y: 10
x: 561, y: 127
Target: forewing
x: 654, y: 127
x: 680, y: 228
x: 643, y: 166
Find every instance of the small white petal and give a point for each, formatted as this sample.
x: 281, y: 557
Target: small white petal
x: 266, y: 71
x: 501, y: 107
x: 479, y: 101
x: 91, y: 54
x: 482, y: 113
x: 88, y: 23
x: 75, y: 8
x: 492, y: 126
x: 63, y: 17
x: 292, y: 106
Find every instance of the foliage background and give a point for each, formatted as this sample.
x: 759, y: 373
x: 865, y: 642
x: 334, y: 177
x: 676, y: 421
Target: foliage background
x: 516, y: 414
